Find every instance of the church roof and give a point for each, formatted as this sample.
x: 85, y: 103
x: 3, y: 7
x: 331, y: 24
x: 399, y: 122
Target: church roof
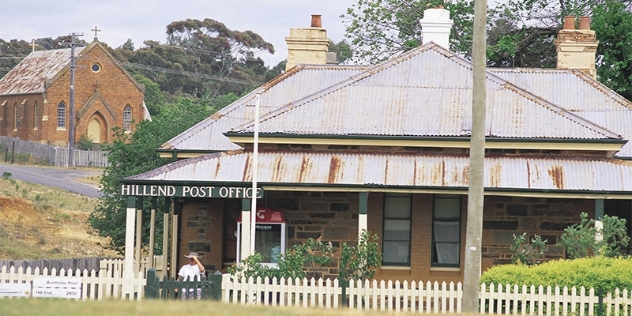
x: 30, y: 75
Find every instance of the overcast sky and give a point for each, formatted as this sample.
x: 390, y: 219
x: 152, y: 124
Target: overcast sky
x: 143, y: 20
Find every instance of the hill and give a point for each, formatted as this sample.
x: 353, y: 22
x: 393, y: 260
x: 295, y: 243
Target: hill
x: 39, y: 222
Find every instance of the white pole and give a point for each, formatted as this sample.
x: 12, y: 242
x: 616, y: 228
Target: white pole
x: 255, y: 166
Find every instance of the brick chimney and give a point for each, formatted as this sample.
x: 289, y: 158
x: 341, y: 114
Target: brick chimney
x: 307, y: 45
x: 436, y: 26
x: 576, y: 48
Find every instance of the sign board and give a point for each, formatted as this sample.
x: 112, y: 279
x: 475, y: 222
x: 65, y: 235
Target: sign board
x: 268, y: 215
x: 195, y: 191
x: 15, y: 289
x: 57, y: 287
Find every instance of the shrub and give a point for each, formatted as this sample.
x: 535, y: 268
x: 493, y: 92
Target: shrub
x: 580, y: 240
x: 526, y: 253
x: 599, y: 272
x: 85, y: 142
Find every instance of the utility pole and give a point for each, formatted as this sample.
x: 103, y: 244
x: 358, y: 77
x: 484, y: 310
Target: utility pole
x: 71, y: 114
x: 474, y: 234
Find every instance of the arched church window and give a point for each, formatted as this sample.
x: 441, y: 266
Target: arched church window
x: 61, y: 115
x: 127, y: 118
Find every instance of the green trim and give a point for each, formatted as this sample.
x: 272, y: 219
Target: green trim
x: 246, y: 205
x: 599, y: 208
x: 428, y: 138
x: 131, y: 202
x: 363, y: 202
x: 139, y: 202
x: 262, y: 185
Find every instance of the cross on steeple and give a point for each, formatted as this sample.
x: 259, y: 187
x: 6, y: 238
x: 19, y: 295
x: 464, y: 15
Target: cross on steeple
x: 95, y: 30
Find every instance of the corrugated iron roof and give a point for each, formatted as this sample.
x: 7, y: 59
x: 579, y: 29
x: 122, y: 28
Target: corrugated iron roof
x: 578, y: 93
x: 425, y: 92
x: 363, y: 169
x: 31, y: 73
x: 296, y: 83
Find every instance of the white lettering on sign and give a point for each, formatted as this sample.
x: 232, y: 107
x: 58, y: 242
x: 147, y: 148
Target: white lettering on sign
x: 188, y: 191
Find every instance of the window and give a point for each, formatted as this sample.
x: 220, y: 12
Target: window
x: 35, y: 116
x: 96, y: 67
x: 16, y: 119
x: 446, y: 231
x: 397, y: 221
x: 127, y: 118
x: 61, y: 115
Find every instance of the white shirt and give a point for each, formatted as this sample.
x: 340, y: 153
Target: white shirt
x: 188, y: 272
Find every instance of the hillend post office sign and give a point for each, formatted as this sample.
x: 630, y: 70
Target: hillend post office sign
x: 195, y: 191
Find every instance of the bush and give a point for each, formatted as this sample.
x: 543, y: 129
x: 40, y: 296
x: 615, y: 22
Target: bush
x: 580, y: 240
x: 598, y: 272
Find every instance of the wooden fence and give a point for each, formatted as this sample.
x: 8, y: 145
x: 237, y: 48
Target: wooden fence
x: 94, y: 284
x: 426, y: 297
x: 17, y: 150
x: 418, y: 297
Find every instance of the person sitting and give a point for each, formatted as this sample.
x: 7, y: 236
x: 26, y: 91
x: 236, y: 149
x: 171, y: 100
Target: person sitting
x: 191, y: 272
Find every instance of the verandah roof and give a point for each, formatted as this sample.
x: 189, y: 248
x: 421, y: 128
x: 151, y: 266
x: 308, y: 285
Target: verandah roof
x: 574, y: 175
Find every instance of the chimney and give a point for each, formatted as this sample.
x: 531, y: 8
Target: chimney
x: 307, y: 45
x: 577, y: 48
x: 436, y: 26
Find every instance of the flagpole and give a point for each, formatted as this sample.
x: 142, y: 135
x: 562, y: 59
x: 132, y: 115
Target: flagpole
x: 255, y: 166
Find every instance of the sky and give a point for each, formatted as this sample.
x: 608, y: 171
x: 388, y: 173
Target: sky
x: 142, y: 20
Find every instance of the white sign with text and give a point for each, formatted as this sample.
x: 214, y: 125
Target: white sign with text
x: 15, y: 289
x: 57, y: 287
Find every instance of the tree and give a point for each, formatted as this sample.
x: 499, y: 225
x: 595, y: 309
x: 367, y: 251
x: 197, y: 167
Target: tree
x: 133, y: 154
x: 613, y: 25
x: 379, y: 29
x: 343, y: 51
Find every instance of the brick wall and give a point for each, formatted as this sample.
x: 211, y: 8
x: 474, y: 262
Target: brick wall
x: 333, y: 217
x: 114, y: 87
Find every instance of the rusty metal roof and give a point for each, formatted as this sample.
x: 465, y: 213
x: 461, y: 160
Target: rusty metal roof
x: 291, y: 85
x: 578, y: 93
x: 425, y: 92
x: 31, y: 73
x: 416, y: 171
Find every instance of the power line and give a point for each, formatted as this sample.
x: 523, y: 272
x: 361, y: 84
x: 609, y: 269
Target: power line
x: 191, y: 74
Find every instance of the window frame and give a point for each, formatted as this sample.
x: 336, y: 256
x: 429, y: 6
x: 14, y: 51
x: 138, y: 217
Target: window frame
x: 433, y: 253
x: 61, y: 121
x: 35, y: 115
x: 127, y: 118
x: 410, y: 222
x: 16, y: 113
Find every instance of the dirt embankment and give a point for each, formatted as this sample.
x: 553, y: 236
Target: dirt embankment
x: 35, y: 232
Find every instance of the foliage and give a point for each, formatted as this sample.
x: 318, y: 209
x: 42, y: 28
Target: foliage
x: 343, y: 51
x: 6, y: 175
x: 201, y: 58
x: 154, y: 100
x: 292, y: 264
x: 613, y: 25
x: 580, y: 240
x: 359, y: 262
x: 598, y: 272
x: 525, y: 252
x: 85, y: 142
x: 379, y: 29
x: 132, y: 154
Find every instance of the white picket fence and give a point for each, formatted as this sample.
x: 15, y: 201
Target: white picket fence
x: 435, y: 297
x: 425, y: 297
x: 94, y: 284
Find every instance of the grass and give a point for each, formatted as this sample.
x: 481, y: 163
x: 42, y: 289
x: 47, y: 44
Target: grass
x: 45, y: 307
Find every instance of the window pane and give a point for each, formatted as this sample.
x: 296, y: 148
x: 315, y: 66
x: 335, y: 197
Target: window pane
x: 396, y: 229
x: 447, y: 208
x: 397, y: 207
x: 396, y: 252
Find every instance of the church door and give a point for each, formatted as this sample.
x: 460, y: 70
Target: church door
x: 94, y: 131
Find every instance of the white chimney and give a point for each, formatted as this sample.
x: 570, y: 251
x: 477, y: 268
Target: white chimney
x: 436, y: 26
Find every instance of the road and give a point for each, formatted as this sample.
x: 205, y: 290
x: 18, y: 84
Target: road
x: 62, y: 178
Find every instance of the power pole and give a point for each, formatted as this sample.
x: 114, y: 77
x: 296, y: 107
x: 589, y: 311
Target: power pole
x: 474, y: 234
x: 71, y: 114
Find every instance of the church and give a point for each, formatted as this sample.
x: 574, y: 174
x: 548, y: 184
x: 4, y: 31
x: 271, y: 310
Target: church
x: 35, y: 100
